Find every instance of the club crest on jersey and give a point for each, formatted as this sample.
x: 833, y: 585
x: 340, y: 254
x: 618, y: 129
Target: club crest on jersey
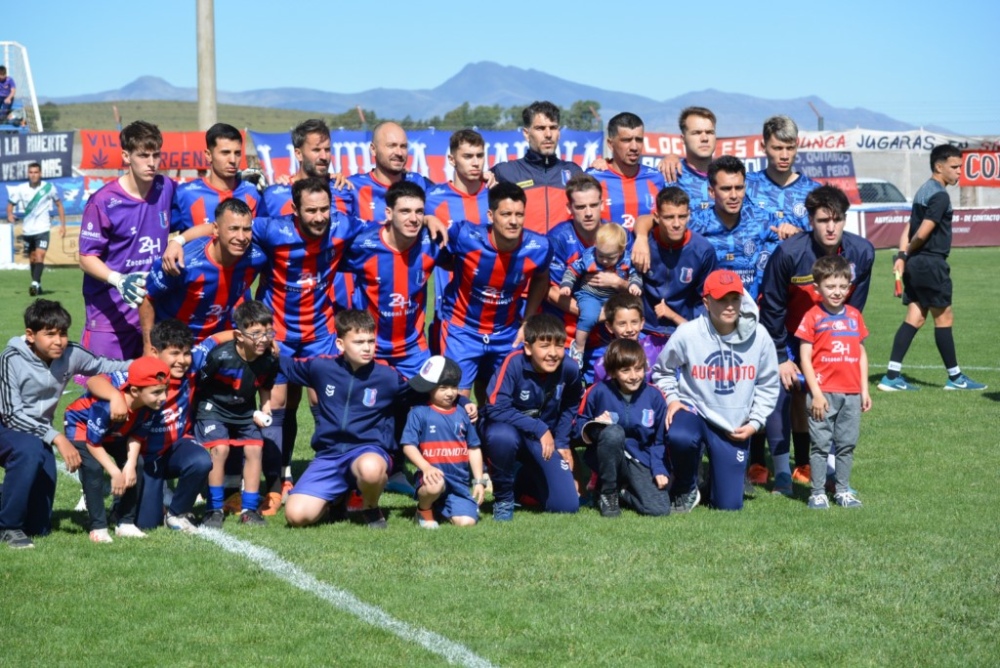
x: 647, y: 417
x: 749, y: 247
x: 566, y: 175
x: 330, y: 389
x: 687, y: 274
x: 370, y: 395
x: 559, y: 391
x: 799, y: 209
x: 164, y: 219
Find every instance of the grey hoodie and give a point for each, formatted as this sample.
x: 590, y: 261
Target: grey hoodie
x: 30, y: 389
x: 729, y: 383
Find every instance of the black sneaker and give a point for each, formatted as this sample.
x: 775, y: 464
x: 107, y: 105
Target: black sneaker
x: 213, y: 519
x: 373, y: 518
x: 685, y: 503
x: 35, y: 290
x: 608, y: 505
x: 15, y: 539
x: 252, y: 517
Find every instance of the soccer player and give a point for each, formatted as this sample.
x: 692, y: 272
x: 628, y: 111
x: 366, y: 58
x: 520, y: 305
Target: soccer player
x: 786, y: 294
x: 33, y: 200
x: 389, y: 149
x: 541, y: 173
x: 195, y: 202
x: 528, y: 418
x: 779, y: 189
x: 8, y: 89
x: 927, y: 287
x: 123, y: 230
x: 218, y: 272
x: 493, y: 265
x: 629, y: 187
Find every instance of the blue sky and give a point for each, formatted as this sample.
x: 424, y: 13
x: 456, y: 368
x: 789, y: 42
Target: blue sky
x: 884, y: 56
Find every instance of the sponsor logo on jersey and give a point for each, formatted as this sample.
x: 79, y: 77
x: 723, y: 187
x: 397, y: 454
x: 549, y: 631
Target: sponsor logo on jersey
x: 724, y: 368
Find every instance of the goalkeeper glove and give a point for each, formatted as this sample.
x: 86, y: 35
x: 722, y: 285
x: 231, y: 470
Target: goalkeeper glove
x: 132, y: 287
x: 256, y: 177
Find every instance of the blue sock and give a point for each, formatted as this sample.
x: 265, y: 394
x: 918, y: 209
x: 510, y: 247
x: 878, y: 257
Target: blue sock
x: 216, y: 497
x: 251, y: 500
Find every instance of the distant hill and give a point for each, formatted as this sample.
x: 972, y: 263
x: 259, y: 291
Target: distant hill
x: 487, y: 83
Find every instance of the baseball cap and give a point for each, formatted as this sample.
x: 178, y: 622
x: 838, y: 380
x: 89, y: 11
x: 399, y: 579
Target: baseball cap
x: 148, y: 371
x: 437, y: 370
x: 720, y: 283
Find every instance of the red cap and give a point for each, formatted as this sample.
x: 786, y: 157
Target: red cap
x: 720, y: 283
x: 148, y: 371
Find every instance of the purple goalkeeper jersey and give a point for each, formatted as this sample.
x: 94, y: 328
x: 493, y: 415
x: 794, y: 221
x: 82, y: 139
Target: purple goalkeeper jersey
x: 128, y: 234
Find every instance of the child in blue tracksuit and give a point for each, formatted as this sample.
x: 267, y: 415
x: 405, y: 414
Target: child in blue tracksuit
x: 622, y: 420
x: 528, y: 419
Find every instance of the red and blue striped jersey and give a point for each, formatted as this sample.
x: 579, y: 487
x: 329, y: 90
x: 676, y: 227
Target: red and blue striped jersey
x: 369, y: 194
x: 277, y: 201
x: 447, y: 204
x: 787, y: 203
x: 695, y: 184
x: 444, y: 437
x: 299, y: 284
x: 204, y: 294
x: 88, y: 420
x: 194, y: 202
x: 393, y: 285
x: 486, y: 290
x: 625, y: 199
x: 228, y: 384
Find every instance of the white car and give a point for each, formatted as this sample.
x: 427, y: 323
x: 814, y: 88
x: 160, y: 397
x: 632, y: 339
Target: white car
x: 880, y: 195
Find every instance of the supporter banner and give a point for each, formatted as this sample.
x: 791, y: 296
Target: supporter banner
x: 980, y: 168
x: 181, y: 150
x: 350, y: 153
x: 52, y: 150
x: 969, y: 227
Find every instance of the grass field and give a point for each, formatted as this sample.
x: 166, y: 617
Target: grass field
x: 913, y: 578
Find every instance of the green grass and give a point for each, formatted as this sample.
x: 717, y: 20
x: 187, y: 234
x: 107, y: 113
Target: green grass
x: 174, y: 116
x: 911, y: 579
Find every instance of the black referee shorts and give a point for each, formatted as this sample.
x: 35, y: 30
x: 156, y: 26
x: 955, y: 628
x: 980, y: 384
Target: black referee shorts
x: 927, y: 281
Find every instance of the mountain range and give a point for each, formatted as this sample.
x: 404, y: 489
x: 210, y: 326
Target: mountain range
x: 487, y: 83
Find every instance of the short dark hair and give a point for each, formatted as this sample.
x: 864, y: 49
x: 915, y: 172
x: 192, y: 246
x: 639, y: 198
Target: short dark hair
x: 46, y: 314
x: 403, y: 188
x: 221, y: 131
x: 502, y: 191
x: 3, y: 69
x: 544, y: 107
x: 235, y: 206
x: 626, y: 120
x: 251, y: 313
x: 312, y: 184
x: 465, y: 136
x: 943, y: 153
x: 830, y: 198
x: 672, y: 195
x: 621, y: 301
x: 694, y: 111
x: 544, y: 327
x: 727, y: 163
x: 581, y: 182
x: 171, y: 333
x: 831, y: 265
x: 354, y: 320
x: 34, y: 165
x: 313, y: 126
x: 624, y: 354
x: 140, y: 135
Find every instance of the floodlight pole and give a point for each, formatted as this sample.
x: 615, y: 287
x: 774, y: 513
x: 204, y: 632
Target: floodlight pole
x: 207, y: 108
x: 819, y: 117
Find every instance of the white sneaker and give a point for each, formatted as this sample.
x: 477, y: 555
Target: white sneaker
x: 180, y: 523
x: 129, y: 531
x: 101, y: 536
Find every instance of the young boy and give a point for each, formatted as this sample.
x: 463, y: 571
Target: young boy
x: 180, y: 457
x: 528, y: 418
x: 115, y: 447
x: 623, y: 320
x: 226, y: 417
x: 835, y: 365
x: 623, y: 419
x: 609, y: 271
x: 34, y: 371
x: 719, y: 373
x: 440, y: 441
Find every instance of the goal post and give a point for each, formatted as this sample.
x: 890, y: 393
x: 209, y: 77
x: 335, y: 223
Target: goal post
x: 15, y: 58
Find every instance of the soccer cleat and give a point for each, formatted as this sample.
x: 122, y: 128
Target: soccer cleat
x: 897, y: 384
x: 425, y: 519
x: 213, y: 519
x: 686, y: 502
x: 819, y: 502
x: 608, y: 505
x: 355, y: 502
x: 35, y: 289
x: 16, y: 539
x: 503, y: 511
x: 101, y: 536
x: 758, y: 474
x: 270, y: 504
x: 802, y: 474
x: 398, y: 484
x: 180, y: 523
x: 847, y: 500
x: 234, y: 504
x: 963, y: 382
x: 252, y: 517
x: 129, y: 531
x: 374, y: 519
x: 782, y: 484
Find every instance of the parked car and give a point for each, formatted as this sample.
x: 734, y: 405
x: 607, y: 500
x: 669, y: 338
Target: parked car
x: 880, y: 195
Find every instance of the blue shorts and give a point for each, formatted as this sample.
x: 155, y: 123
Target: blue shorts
x: 408, y: 365
x: 210, y: 433
x: 476, y: 353
x: 329, y: 476
x: 306, y: 350
x: 590, y: 306
x: 455, y: 501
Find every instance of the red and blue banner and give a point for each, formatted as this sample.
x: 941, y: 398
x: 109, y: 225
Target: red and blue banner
x: 181, y: 150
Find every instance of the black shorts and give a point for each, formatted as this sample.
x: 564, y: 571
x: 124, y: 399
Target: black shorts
x: 927, y: 281
x: 33, y: 242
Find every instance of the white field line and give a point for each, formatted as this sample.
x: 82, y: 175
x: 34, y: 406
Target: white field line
x: 452, y: 652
